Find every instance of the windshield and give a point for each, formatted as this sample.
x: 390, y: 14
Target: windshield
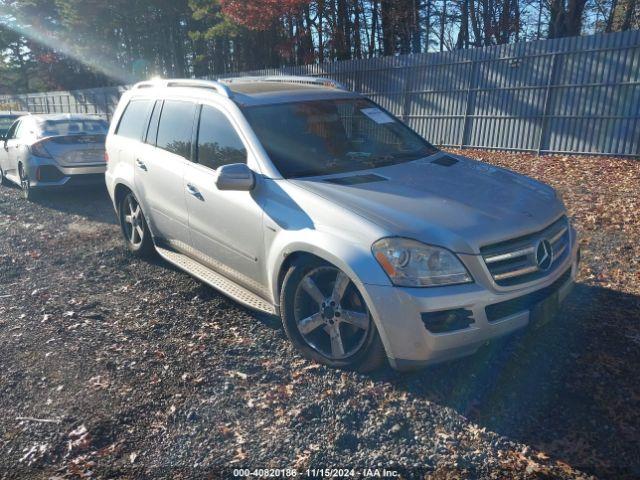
x: 333, y: 136
x: 52, y: 128
x: 5, y: 124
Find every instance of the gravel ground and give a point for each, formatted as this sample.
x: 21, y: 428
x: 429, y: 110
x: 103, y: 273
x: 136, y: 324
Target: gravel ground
x: 115, y: 367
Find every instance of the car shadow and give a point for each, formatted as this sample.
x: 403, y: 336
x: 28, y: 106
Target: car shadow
x: 93, y: 203
x: 569, y: 388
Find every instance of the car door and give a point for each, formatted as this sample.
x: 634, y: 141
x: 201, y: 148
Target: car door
x: 225, y: 226
x: 160, y: 169
x: 9, y: 153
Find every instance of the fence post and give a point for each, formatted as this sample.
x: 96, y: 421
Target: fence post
x: 106, y: 105
x: 471, y: 88
x: 406, y: 95
x: 547, y: 101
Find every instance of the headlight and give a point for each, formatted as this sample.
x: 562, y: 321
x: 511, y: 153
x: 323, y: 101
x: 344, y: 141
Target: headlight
x: 410, y: 263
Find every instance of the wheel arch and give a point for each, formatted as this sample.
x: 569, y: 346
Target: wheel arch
x: 359, y: 265
x: 119, y: 192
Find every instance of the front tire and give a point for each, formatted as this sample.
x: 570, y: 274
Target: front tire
x: 134, y: 227
x: 326, y: 318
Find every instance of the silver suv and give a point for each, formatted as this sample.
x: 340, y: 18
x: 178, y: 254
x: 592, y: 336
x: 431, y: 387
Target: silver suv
x: 297, y: 197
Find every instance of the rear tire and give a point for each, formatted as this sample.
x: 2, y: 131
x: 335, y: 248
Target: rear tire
x: 28, y: 193
x: 133, y: 225
x: 341, y: 333
x: 3, y: 180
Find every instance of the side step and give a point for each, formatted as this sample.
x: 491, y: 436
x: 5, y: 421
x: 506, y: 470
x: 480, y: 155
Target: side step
x: 217, y: 281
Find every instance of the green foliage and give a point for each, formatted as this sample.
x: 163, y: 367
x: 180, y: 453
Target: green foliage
x: 72, y: 44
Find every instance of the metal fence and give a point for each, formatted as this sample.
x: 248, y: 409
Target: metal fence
x: 573, y: 95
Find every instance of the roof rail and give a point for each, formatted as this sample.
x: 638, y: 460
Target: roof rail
x: 186, y: 82
x: 325, y: 82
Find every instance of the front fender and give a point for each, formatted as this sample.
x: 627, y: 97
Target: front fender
x: 352, y: 258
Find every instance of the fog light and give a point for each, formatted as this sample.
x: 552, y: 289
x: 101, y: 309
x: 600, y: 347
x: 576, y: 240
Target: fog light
x: 447, y: 320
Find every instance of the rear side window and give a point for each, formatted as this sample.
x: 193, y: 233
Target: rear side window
x: 5, y: 124
x: 134, y: 119
x: 218, y: 141
x: 22, y: 130
x: 176, y: 127
x: 12, y: 131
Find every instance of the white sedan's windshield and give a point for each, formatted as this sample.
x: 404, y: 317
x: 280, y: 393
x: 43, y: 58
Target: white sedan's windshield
x: 333, y: 136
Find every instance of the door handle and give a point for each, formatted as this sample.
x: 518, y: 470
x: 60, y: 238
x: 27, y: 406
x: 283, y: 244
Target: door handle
x: 194, y: 191
x: 141, y: 164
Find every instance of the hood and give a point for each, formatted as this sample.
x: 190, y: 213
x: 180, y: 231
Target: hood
x: 444, y: 200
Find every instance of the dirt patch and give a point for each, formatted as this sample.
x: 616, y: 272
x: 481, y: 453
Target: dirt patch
x: 116, y: 367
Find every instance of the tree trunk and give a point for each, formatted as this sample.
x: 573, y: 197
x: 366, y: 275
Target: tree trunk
x: 473, y: 16
x: 463, y: 34
x: 443, y: 15
x: 386, y: 14
x: 374, y: 28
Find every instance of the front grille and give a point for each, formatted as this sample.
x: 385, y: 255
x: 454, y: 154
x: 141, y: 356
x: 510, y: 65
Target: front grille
x: 517, y: 261
x: 498, y: 311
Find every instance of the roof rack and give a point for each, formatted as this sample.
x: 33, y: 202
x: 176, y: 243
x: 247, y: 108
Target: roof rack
x: 185, y: 82
x: 324, y: 82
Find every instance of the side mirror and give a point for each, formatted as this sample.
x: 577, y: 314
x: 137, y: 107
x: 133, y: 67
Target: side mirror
x: 235, y: 176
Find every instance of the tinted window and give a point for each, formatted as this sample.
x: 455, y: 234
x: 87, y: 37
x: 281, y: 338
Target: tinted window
x: 333, y: 136
x: 5, y: 124
x: 134, y: 119
x: 152, y: 131
x: 12, y: 131
x: 218, y: 141
x: 176, y: 126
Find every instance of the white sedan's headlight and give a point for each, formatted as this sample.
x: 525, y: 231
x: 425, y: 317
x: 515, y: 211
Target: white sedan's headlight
x: 410, y: 263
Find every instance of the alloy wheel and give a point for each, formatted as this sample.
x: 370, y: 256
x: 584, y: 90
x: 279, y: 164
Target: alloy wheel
x: 133, y: 221
x: 330, y: 313
x: 25, y: 184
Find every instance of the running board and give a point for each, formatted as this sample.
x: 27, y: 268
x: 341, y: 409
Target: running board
x: 217, y: 281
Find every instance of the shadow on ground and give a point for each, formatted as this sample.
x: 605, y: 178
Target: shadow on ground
x: 93, y: 203
x: 568, y: 388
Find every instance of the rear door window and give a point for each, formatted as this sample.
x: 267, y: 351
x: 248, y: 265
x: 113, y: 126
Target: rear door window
x: 134, y: 119
x: 218, y: 141
x: 176, y: 127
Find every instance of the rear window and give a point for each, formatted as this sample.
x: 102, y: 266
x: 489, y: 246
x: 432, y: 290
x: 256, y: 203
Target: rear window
x: 176, y: 127
x: 134, y: 119
x: 52, y: 128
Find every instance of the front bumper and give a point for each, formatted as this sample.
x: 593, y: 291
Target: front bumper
x: 409, y: 344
